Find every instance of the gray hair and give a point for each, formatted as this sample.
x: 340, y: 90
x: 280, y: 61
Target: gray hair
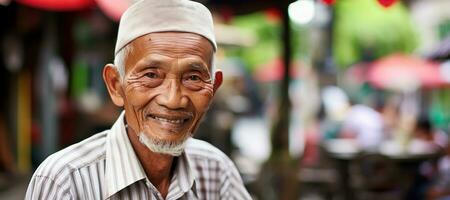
x: 119, y: 61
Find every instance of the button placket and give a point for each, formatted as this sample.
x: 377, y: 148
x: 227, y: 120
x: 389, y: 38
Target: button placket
x: 153, y: 190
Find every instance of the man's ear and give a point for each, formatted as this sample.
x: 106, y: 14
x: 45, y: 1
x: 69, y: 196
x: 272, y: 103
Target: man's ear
x: 218, y: 78
x: 113, y: 83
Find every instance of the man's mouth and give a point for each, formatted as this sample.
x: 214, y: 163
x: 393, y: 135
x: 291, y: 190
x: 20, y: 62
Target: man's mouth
x: 171, y: 120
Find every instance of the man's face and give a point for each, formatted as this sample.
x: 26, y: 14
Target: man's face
x: 167, y: 85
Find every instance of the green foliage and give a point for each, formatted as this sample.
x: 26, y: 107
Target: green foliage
x: 364, y: 26
x: 440, y: 108
x: 79, y: 78
x: 444, y: 29
x: 269, y: 44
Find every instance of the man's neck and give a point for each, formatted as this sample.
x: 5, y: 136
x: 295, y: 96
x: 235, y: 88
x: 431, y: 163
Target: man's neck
x: 157, y: 166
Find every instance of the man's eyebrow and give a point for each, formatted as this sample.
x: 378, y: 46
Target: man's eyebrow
x: 199, y: 67
x: 153, y: 63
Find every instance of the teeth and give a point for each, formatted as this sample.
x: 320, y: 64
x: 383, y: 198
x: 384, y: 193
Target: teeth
x: 177, y: 121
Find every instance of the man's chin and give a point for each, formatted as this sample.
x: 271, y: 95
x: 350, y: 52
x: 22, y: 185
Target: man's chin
x: 173, y: 148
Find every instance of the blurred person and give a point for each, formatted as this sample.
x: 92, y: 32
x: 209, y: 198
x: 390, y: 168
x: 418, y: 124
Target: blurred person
x: 163, y: 76
x: 335, y: 103
x: 391, y: 115
x: 364, y: 124
x: 425, y: 139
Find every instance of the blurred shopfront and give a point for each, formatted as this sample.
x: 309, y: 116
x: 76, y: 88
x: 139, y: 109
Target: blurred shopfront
x: 293, y: 72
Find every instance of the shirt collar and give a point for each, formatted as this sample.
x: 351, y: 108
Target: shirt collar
x: 123, y: 167
x: 184, y: 176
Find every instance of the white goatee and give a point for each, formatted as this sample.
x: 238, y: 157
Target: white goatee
x: 173, y: 148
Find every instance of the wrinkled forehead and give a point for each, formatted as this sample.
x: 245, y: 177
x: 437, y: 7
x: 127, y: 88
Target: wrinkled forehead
x: 174, y: 45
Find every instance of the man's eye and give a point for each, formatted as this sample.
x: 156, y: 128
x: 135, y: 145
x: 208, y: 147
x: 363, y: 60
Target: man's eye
x: 151, y: 75
x: 194, y: 78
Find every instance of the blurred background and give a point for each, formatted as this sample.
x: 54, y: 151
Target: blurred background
x: 322, y: 99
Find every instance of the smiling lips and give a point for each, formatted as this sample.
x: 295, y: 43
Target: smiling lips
x: 175, y: 120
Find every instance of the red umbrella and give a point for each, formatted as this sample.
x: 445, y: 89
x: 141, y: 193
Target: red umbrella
x: 405, y: 73
x: 58, y: 5
x: 274, y: 71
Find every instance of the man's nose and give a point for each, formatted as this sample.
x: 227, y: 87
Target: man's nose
x: 172, y: 96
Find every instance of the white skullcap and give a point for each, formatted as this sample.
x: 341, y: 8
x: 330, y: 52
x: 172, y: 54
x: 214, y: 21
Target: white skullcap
x: 150, y: 16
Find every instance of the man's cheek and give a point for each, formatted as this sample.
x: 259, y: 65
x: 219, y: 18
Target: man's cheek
x: 206, y: 91
x: 197, y: 123
x: 201, y: 103
x: 138, y: 95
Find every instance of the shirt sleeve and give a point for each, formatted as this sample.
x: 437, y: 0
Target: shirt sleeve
x: 44, y: 188
x: 232, y: 185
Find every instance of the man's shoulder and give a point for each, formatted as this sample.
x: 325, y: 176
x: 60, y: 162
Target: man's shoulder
x: 74, y: 157
x: 201, y: 150
x: 215, y: 171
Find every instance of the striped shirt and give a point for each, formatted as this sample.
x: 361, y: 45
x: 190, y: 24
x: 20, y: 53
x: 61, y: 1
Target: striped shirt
x: 105, y: 166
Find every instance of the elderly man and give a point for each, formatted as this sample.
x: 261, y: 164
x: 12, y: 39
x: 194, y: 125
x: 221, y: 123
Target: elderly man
x: 164, y: 78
